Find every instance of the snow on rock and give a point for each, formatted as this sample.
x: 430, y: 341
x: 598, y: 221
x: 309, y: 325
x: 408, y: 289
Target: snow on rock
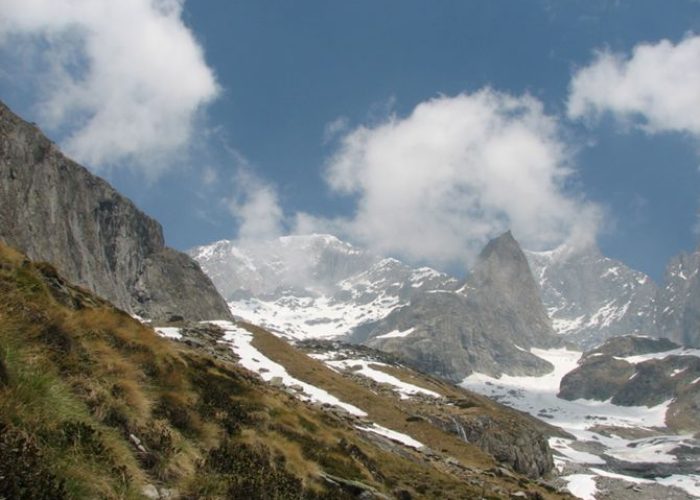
x: 582, y: 486
x: 311, y: 317
x: 240, y: 341
x: 682, y: 351
x: 689, y: 483
x: 650, y: 450
x: 396, y: 334
x: 622, y: 477
x: 590, y: 297
x: 170, y: 332
x: 393, y: 435
x: 538, y: 396
x: 362, y: 367
x: 569, y: 454
x: 581, y: 418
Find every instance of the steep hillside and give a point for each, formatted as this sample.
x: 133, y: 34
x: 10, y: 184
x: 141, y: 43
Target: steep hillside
x: 94, y: 404
x: 487, y: 326
x: 55, y: 210
x: 590, y: 297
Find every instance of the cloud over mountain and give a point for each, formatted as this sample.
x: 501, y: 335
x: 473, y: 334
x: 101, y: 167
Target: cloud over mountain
x: 254, y: 204
x: 437, y: 184
x: 123, y: 79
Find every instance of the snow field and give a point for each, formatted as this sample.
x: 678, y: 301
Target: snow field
x: 538, y: 396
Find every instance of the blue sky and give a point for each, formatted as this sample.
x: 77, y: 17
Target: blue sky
x: 303, y: 116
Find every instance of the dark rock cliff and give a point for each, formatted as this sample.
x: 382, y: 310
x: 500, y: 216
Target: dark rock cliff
x: 56, y: 210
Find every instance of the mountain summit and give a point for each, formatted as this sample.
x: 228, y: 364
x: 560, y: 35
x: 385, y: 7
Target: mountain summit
x: 488, y: 325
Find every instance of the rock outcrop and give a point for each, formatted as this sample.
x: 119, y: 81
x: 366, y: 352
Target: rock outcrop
x: 55, y: 210
x: 678, y: 302
x: 640, y: 371
x: 488, y: 325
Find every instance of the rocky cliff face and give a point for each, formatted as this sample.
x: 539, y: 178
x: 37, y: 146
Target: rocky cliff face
x: 55, y: 210
x: 678, y: 302
x: 640, y: 371
x: 487, y: 326
x: 590, y: 297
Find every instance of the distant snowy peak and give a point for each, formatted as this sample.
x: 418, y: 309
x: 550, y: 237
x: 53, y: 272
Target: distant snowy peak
x: 309, y: 262
x: 316, y: 285
x: 590, y: 297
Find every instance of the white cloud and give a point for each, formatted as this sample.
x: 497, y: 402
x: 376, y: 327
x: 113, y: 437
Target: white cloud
x: 657, y: 87
x: 127, y: 78
x: 255, y: 206
x: 437, y: 184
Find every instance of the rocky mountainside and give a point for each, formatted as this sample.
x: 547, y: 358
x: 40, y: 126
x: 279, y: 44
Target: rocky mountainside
x: 641, y: 371
x: 55, y: 210
x: 488, y: 325
x: 94, y: 404
x: 626, y: 434
x: 312, y: 285
x: 678, y: 302
x: 590, y: 297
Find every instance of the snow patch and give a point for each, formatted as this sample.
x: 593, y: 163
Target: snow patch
x: 169, y: 332
x: 396, y: 334
x: 240, y: 341
x: 582, y: 486
x: 569, y: 454
x: 682, y: 351
x: 361, y: 366
x: 649, y: 450
x: 690, y: 483
x: 393, y: 435
x: 622, y: 477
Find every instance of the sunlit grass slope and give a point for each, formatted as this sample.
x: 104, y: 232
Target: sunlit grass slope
x: 93, y: 404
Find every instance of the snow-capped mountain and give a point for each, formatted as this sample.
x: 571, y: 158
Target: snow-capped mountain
x: 678, y: 302
x: 590, y: 297
x: 312, y: 285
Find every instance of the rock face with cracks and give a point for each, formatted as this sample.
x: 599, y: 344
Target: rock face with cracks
x: 487, y: 326
x: 56, y: 210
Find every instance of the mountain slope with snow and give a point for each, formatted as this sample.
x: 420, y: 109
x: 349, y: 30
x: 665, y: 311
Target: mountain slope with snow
x: 616, y: 447
x: 590, y: 297
x: 312, y: 286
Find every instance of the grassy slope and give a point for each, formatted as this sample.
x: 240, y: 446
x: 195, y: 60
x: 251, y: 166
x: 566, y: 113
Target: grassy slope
x: 95, y: 405
x: 386, y: 408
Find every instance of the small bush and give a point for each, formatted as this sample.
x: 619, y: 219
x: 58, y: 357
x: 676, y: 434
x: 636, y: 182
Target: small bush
x: 23, y: 471
x: 250, y: 473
